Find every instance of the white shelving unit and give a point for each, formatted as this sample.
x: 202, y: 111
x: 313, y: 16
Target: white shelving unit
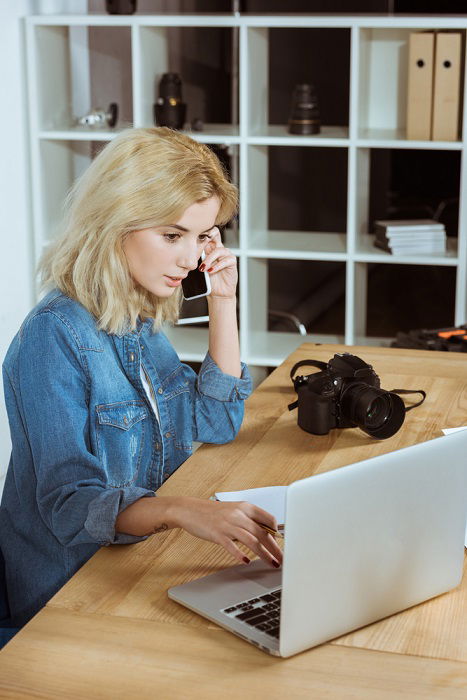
x: 377, y: 88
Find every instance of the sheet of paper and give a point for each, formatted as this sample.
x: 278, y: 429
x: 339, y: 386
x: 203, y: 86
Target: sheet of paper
x: 447, y: 431
x: 269, y: 498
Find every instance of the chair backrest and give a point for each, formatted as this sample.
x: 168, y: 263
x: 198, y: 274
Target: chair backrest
x: 4, y: 608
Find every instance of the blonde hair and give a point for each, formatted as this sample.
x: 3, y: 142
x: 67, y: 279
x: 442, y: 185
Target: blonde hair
x: 143, y: 178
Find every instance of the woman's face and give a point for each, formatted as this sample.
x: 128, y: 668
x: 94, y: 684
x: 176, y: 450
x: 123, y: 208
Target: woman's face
x: 159, y: 258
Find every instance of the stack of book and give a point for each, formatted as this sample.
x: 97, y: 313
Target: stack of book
x: 411, y: 237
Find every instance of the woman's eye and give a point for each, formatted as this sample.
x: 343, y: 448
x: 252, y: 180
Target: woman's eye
x: 171, y: 237
x: 204, y: 237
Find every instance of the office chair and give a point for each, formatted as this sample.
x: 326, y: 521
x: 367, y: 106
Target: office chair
x: 7, y: 631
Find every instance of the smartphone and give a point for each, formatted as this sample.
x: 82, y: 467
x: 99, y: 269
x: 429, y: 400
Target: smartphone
x: 196, y: 284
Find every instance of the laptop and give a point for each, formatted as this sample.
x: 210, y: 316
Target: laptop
x: 361, y: 542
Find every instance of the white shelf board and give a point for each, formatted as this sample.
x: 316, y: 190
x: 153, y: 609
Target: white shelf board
x: 373, y: 341
x: 270, y: 349
x: 279, y: 21
x: 367, y: 252
x: 395, y: 138
x: 157, y: 20
x: 216, y: 133
x: 79, y: 133
x: 297, y: 245
x: 278, y: 135
x: 212, y: 133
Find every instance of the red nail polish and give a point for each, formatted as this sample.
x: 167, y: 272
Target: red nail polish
x: 210, y: 269
x: 275, y: 563
x: 201, y: 267
x: 246, y: 560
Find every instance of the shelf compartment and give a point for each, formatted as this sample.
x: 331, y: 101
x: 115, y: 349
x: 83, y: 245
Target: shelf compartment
x: 403, y: 291
x: 288, y: 299
x: 280, y: 58
x: 61, y: 162
x: 383, y: 79
x: 74, y: 69
x: 296, y: 189
x: 202, y: 58
x: 406, y: 184
x: 298, y: 245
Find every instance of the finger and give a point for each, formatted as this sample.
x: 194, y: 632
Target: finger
x: 258, y: 548
x: 216, y: 255
x: 264, y: 538
x: 261, y: 516
x: 221, y: 263
x: 235, y: 551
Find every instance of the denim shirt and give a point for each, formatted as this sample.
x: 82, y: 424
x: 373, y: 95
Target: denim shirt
x: 85, y: 440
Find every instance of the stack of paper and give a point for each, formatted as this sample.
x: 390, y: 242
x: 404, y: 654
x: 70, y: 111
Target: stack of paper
x: 411, y: 237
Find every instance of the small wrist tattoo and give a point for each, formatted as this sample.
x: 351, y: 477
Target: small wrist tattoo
x: 161, y: 528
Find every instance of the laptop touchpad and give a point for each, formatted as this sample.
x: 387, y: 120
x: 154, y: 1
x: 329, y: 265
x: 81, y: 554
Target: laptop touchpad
x: 262, y: 574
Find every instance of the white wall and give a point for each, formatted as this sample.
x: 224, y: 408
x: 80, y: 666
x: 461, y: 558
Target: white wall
x: 16, y: 283
x: 16, y: 266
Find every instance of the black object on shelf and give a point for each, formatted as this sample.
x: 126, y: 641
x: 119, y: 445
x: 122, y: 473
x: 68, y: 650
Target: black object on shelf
x: 452, y: 339
x: 304, y: 113
x: 169, y: 109
x: 120, y: 7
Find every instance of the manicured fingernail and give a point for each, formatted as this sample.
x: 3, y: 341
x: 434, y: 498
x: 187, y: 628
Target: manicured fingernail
x: 275, y: 563
x: 201, y: 267
x: 210, y: 269
x: 246, y: 560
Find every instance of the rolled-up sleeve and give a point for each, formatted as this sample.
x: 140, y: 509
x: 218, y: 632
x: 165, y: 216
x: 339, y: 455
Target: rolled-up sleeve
x: 72, y: 493
x: 217, y: 402
x: 103, y: 511
x: 214, y: 383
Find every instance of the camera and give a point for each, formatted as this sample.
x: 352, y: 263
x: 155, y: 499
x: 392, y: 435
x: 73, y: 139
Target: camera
x: 346, y: 393
x: 169, y: 109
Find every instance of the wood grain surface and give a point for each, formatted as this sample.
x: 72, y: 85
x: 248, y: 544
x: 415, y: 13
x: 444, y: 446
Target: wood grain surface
x: 117, y: 603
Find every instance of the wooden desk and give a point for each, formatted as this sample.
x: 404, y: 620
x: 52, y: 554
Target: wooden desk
x: 112, y: 631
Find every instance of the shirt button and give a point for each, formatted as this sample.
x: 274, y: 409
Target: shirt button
x: 160, y: 391
x: 125, y: 420
x: 166, y: 475
x: 132, y: 356
x: 167, y: 435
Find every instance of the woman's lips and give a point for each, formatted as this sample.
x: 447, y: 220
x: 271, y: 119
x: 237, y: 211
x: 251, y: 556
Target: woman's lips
x: 173, y: 281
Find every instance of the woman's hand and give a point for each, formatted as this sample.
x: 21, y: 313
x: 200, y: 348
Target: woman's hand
x: 221, y: 265
x: 225, y: 523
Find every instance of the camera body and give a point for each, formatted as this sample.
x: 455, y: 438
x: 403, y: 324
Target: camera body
x: 346, y: 393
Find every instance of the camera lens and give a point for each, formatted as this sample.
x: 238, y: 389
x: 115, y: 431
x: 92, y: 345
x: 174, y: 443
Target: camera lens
x: 304, y: 113
x: 377, y: 412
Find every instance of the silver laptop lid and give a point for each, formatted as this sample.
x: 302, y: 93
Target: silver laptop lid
x: 367, y: 540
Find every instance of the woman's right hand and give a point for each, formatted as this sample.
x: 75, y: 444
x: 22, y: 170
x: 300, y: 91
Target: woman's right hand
x: 226, y: 523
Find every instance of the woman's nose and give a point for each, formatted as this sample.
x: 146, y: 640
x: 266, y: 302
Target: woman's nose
x: 189, y: 257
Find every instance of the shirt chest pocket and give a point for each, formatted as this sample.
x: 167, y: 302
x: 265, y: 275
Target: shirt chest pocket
x: 121, y: 429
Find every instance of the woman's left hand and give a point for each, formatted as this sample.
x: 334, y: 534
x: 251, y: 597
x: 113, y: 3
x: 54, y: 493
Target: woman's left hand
x: 221, y: 265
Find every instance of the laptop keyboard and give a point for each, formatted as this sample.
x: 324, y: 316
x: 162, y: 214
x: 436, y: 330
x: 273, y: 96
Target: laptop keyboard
x: 262, y: 612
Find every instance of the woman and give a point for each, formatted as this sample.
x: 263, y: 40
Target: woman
x: 101, y: 410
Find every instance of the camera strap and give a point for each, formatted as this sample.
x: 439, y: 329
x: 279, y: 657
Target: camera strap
x: 312, y: 363
x: 302, y: 363
x: 411, y: 391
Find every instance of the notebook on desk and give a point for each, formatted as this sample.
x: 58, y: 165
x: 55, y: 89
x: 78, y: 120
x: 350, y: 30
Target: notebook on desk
x: 361, y: 542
